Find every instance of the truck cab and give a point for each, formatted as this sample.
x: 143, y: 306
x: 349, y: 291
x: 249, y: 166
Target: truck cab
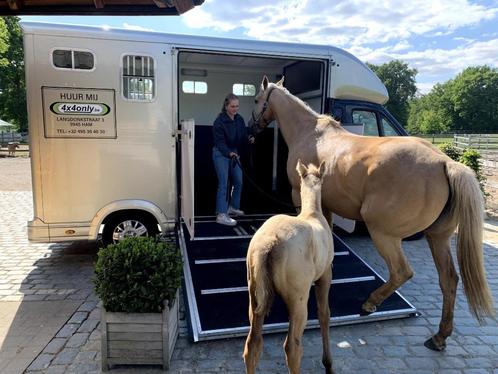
x: 375, y: 118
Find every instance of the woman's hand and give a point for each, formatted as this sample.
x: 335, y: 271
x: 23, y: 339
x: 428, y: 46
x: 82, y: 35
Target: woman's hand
x: 233, y: 154
x: 251, y: 139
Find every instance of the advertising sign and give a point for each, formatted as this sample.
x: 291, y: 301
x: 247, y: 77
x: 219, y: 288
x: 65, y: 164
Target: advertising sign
x: 79, y: 113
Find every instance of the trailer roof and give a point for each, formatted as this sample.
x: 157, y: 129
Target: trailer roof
x: 187, y: 41
x: 96, y: 7
x: 352, y: 78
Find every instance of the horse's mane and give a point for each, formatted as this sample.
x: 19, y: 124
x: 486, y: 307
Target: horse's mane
x: 322, y: 119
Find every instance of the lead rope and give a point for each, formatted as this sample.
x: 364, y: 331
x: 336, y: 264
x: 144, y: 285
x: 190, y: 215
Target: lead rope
x: 263, y: 192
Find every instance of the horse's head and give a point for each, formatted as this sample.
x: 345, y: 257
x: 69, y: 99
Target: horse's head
x: 262, y: 115
x: 311, y: 176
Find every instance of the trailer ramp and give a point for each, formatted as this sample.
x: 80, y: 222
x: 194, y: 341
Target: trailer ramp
x: 216, y: 284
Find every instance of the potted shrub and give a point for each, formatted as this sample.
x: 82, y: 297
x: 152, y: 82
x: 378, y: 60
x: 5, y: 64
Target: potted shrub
x: 137, y: 281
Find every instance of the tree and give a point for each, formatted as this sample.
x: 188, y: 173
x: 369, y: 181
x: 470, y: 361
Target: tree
x: 12, y: 84
x: 474, y: 97
x: 468, y: 103
x: 431, y: 113
x: 399, y: 80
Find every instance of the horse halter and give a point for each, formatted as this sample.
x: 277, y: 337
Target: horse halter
x: 260, y: 116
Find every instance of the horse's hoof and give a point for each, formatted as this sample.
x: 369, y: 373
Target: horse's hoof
x: 367, y: 308
x: 431, y: 344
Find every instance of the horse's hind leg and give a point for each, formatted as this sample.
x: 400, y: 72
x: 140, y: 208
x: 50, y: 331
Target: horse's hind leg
x: 297, y: 307
x: 254, y: 341
x: 322, y: 287
x: 399, y: 270
x: 448, y: 281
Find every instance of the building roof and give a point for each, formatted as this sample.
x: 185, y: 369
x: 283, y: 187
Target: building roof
x: 96, y: 7
x: 5, y: 125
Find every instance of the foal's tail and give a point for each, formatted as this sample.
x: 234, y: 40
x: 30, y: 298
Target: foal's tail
x: 260, y: 285
x: 468, y: 208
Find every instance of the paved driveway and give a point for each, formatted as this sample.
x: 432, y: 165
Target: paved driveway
x: 55, y: 280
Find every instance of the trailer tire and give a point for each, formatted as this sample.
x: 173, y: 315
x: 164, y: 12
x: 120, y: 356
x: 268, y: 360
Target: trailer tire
x: 125, y: 225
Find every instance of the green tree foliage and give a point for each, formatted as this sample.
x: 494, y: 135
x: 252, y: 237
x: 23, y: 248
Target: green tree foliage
x: 12, y: 85
x: 466, y: 104
x: 399, y: 80
x: 474, y: 94
x: 469, y: 157
x: 431, y: 113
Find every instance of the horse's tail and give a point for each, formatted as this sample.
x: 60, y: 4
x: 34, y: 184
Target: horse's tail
x: 260, y: 284
x: 468, y: 208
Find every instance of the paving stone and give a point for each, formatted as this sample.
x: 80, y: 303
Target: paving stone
x: 77, y: 340
x: 41, y: 362
x: 55, y: 369
x: 89, y: 325
x: 85, y: 356
x: 66, y: 356
x: 87, y: 306
x: 78, y: 317
x: 58, y: 270
x: 68, y: 330
x: 55, y: 345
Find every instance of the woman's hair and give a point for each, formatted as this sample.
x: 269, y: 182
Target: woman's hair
x: 228, y: 98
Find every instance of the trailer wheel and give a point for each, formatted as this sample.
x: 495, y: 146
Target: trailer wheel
x: 125, y: 225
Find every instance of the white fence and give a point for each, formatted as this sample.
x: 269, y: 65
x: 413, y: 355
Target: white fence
x: 486, y: 144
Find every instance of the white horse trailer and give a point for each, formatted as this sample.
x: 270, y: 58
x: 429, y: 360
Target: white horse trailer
x: 120, y: 128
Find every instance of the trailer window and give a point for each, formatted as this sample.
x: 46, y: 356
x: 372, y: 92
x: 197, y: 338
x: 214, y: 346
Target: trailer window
x: 243, y: 89
x: 138, y: 78
x: 368, y: 120
x: 72, y: 59
x: 194, y: 87
x: 389, y: 129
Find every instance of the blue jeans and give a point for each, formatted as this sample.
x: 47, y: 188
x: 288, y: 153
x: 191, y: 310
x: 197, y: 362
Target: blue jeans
x: 225, y: 168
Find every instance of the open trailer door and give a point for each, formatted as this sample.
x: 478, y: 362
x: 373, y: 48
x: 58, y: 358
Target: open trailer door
x: 187, y: 188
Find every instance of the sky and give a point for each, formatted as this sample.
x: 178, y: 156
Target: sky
x: 439, y: 38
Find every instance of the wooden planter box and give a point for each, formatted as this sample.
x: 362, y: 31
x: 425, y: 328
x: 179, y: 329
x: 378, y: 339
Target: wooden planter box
x: 139, y: 338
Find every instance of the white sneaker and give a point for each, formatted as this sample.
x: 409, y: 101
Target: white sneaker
x: 223, y: 219
x: 235, y: 212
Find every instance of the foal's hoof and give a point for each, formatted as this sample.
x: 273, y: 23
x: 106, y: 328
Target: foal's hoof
x: 367, y: 308
x: 431, y: 344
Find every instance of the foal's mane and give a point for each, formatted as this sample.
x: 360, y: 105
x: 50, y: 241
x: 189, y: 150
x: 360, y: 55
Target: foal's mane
x: 323, y: 120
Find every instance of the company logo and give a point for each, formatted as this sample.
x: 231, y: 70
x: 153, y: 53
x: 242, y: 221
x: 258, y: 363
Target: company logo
x: 93, y: 109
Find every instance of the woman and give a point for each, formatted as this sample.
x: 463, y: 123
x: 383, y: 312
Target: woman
x: 229, y: 134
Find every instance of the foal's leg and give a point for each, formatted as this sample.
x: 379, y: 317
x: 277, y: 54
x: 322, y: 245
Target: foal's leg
x: 297, y: 306
x: 322, y: 287
x: 254, y: 342
x: 399, y: 270
x: 448, y: 281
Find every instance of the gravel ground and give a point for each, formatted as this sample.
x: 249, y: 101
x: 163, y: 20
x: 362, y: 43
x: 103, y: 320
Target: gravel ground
x: 15, y: 174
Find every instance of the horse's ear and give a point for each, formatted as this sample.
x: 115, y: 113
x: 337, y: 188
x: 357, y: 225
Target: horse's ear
x: 321, y: 169
x: 264, y: 83
x: 301, y: 169
x: 281, y: 81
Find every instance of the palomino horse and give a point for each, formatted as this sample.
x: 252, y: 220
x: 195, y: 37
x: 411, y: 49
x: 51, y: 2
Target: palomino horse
x: 286, y: 255
x: 398, y: 186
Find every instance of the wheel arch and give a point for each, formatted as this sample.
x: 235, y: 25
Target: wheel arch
x: 127, y: 206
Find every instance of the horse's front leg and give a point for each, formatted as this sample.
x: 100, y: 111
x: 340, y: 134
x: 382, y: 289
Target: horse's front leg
x: 322, y: 287
x: 399, y: 270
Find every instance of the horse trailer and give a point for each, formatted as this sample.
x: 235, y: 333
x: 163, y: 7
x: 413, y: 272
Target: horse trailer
x: 120, y: 126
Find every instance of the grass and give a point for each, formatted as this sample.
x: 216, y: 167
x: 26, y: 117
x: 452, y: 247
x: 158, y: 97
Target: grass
x: 437, y: 138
